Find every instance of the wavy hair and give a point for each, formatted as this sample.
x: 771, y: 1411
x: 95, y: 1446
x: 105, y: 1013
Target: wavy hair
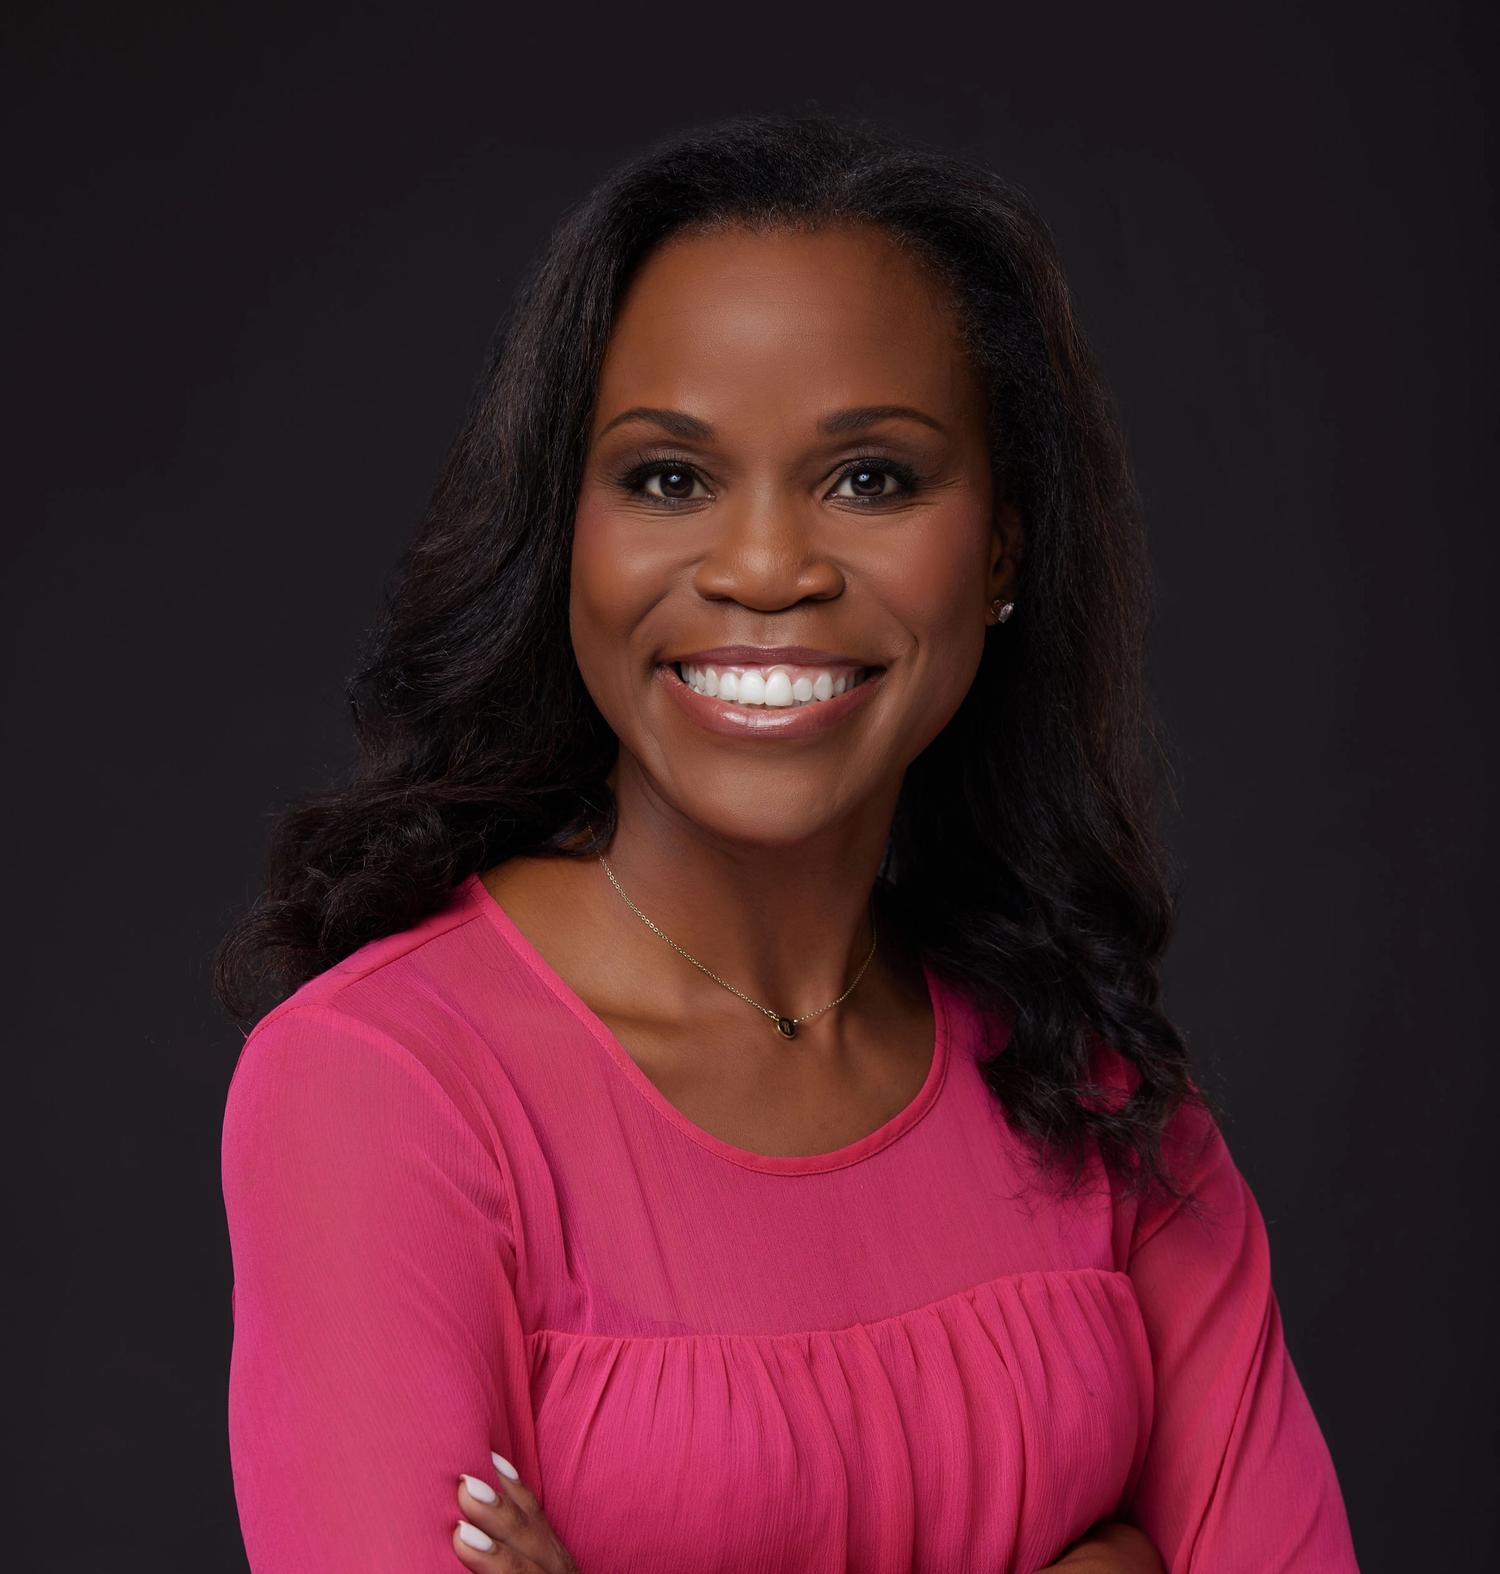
x: 1024, y: 849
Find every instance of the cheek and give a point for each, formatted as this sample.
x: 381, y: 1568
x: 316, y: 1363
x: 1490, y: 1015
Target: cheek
x: 594, y: 555
x: 935, y: 589
x: 615, y: 581
x: 622, y: 563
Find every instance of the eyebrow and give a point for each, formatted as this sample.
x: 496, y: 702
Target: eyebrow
x: 680, y: 424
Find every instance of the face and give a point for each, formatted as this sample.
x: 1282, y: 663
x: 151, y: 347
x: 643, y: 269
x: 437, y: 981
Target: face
x: 774, y: 499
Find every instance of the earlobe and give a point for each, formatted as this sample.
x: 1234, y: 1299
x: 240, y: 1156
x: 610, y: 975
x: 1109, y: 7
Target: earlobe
x: 1000, y: 609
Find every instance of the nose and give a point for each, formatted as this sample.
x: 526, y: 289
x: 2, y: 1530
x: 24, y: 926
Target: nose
x: 767, y: 552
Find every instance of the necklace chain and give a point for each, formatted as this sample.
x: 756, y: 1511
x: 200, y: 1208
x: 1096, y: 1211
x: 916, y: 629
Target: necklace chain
x: 786, y: 1026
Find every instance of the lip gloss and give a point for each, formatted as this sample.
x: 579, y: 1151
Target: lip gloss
x: 731, y: 720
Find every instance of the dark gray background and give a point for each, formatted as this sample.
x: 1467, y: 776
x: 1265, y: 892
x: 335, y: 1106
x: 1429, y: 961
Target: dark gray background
x: 253, y: 261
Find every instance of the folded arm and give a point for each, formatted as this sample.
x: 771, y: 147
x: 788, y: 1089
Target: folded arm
x: 1237, y: 1478
x: 377, y: 1347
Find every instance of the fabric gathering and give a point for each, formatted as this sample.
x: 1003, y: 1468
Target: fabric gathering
x: 463, y: 1219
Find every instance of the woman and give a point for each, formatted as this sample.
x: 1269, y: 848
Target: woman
x: 722, y: 1117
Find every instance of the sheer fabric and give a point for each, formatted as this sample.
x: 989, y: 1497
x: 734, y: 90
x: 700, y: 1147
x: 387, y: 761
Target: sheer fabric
x: 463, y: 1219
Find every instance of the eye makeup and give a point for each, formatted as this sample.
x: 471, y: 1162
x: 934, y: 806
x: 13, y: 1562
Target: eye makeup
x: 643, y: 467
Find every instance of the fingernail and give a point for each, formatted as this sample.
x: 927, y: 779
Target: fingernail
x: 473, y: 1536
x: 505, y: 1467
x: 480, y: 1489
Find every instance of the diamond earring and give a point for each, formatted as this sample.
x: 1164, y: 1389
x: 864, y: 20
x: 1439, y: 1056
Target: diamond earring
x: 1002, y: 609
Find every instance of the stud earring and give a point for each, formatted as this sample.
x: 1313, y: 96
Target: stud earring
x: 1002, y: 609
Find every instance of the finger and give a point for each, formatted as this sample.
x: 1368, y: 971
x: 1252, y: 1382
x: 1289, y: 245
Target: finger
x: 513, y: 1485
x: 510, y: 1524
x: 482, y: 1554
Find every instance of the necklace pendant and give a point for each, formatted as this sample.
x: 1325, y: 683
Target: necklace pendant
x: 786, y: 1027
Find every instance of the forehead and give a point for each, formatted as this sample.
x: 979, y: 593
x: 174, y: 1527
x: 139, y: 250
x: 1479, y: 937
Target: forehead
x: 811, y: 319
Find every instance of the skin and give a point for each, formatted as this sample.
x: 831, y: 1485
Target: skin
x: 759, y: 856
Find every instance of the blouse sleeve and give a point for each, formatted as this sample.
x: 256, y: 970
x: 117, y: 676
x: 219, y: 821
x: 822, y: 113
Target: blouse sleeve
x: 1237, y: 1475
x: 377, y: 1348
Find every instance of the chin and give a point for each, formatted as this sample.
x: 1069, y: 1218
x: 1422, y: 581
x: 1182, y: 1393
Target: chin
x: 755, y: 811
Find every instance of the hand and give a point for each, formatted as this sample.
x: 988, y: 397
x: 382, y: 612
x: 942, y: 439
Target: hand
x: 512, y: 1532
x: 1110, y: 1547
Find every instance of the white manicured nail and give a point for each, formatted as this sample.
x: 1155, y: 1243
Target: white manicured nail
x: 473, y: 1536
x: 505, y: 1467
x: 481, y: 1490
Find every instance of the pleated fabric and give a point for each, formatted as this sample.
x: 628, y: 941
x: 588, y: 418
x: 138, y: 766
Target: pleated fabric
x: 463, y: 1219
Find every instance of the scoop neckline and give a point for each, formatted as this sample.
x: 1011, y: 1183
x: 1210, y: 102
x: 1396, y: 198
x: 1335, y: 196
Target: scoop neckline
x: 480, y: 897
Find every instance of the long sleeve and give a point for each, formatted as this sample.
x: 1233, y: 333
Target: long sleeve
x: 377, y: 1347
x: 1237, y: 1476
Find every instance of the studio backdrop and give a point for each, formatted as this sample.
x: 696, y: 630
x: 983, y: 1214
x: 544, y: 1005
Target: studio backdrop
x: 255, y: 256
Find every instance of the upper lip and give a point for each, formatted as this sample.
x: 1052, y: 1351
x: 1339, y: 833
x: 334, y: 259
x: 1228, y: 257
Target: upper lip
x: 768, y: 656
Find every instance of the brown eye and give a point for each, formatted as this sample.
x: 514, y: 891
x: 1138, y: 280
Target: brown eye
x: 662, y: 482
x: 867, y: 480
x: 676, y: 482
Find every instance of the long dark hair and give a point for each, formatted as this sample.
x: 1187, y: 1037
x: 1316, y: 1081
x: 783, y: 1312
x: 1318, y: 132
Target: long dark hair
x: 1024, y: 848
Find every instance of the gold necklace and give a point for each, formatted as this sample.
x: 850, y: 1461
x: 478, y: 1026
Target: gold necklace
x: 786, y: 1026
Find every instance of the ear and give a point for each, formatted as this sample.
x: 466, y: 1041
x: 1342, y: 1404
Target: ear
x: 1007, y: 547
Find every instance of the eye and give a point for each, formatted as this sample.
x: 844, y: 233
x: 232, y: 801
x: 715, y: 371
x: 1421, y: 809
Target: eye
x: 868, y: 473
x: 675, y: 478
x: 670, y: 483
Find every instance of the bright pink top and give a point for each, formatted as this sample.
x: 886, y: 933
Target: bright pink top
x: 463, y: 1219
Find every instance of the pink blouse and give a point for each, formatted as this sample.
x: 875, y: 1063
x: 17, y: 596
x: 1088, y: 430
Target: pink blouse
x: 462, y: 1219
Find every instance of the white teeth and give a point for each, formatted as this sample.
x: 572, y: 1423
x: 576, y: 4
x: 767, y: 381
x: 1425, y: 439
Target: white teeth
x: 773, y: 686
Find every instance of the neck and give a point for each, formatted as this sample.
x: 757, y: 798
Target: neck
x: 789, y: 923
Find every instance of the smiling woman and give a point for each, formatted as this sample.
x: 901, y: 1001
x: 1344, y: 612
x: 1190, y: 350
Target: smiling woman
x: 871, y: 524
x: 716, y: 1111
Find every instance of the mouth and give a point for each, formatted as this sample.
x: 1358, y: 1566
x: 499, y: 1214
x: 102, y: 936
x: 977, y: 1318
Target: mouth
x: 778, y: 685
x: 780, y: 700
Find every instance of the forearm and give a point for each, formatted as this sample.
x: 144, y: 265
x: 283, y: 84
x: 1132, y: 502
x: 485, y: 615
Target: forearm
x: 1109, y: 1548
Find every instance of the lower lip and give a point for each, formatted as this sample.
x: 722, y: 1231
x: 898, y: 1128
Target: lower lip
x: 766, y: 721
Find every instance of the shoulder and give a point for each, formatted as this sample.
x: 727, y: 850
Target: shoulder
x: 394, y: 1026
x: 437, y: 954
x: 1193, y: 1153
x: 1191, y: 1129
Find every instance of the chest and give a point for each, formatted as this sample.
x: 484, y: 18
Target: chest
x: 845, y: 1074
x: 985, y: 1430
x: 780, y: 1098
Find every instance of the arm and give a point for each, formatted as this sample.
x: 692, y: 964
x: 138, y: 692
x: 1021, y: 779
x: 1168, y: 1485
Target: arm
x: 377, y: 1348
x: 1237, y: 1476
x: 1109, y: 1548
